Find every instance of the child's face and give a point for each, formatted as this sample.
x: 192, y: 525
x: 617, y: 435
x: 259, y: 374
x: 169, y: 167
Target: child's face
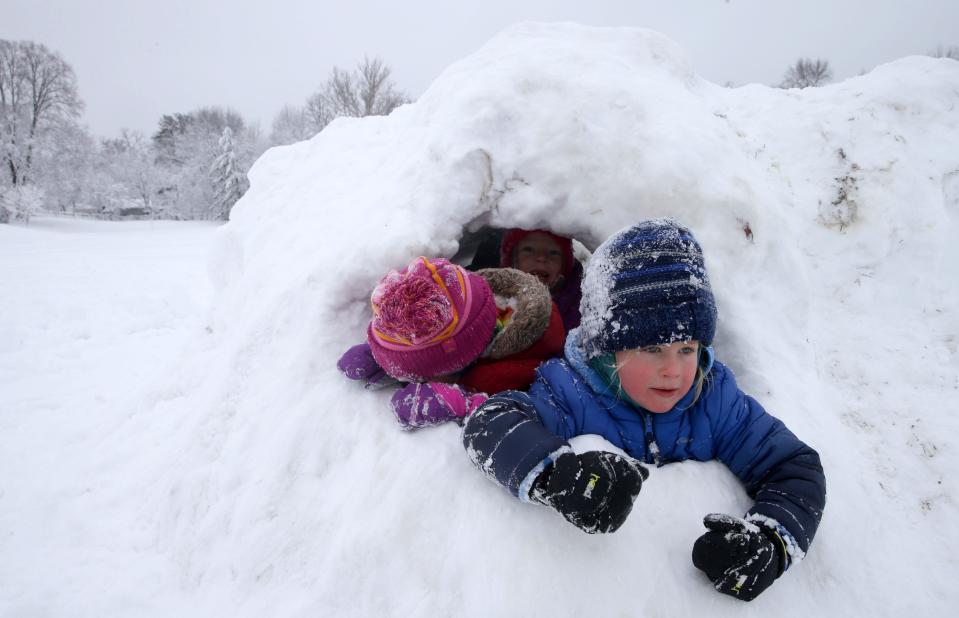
x: 540, y: 255
x: 657, y: 377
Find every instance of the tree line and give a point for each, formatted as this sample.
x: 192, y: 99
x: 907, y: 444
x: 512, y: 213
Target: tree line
x: 192, y: 167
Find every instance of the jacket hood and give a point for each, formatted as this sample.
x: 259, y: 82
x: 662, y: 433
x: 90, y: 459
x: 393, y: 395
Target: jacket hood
x: 576, y: 357
x: 513, y: 237
x: 531, y: 304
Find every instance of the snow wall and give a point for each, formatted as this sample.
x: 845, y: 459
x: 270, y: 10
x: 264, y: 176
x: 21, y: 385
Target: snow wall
x: 258, y: 481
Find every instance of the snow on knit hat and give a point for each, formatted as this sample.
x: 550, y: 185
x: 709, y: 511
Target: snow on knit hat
x: 513, y: 237
x: 646, y: 285
x: 430, y: 319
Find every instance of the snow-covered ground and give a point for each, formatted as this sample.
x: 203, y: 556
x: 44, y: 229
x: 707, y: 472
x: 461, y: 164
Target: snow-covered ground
x: 94, y: 314
x: 165, y: 455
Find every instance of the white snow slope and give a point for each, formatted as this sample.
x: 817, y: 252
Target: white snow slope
x: 253, y: 480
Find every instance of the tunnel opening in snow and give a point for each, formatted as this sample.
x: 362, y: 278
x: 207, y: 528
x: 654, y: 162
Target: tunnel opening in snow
x: 480, y: 248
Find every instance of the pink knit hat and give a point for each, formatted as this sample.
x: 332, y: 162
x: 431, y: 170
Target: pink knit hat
x: 430, y: 319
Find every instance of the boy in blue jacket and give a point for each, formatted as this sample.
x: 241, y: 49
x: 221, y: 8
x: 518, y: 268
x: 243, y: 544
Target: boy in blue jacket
x: 639, y: 372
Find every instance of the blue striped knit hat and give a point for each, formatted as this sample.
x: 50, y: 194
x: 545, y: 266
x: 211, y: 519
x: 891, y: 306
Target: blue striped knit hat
x: 646, y: 285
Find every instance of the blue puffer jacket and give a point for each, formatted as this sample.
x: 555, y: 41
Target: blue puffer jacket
x: 514, y: 436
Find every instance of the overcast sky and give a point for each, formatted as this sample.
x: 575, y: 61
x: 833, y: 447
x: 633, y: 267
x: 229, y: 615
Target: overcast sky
x: 138, y: 59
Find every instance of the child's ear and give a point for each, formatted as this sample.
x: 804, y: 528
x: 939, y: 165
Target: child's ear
x: 706, y: 358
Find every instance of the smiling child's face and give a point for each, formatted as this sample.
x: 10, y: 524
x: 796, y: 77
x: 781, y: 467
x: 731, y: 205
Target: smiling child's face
x: 657, y: 377
x: 540, y: 255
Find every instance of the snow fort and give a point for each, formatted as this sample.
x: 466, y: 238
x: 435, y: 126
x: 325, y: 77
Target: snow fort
x: 828, y: 216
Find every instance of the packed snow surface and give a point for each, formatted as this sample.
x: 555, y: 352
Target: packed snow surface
x: 163, y: 454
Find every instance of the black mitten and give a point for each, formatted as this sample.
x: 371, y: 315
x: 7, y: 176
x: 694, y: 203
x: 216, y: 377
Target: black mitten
x: 594, y: 491
x: 741, y: 558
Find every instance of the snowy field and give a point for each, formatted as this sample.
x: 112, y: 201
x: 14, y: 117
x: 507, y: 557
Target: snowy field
x: 174, y: 444
x: 94, y: 313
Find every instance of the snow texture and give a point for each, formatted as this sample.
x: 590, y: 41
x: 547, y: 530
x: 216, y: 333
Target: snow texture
x: 159, y: 459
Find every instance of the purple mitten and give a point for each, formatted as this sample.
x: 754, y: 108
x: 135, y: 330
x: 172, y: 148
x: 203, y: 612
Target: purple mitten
x: 358, y: 363
x: 419, y: 405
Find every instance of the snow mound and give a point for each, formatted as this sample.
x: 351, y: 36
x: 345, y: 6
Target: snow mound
x: 827, y: 217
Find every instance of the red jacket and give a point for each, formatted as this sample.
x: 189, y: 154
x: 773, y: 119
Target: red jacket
x: 516, y: 371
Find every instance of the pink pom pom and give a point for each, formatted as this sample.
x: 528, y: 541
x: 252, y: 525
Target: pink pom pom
x: 412, y: 309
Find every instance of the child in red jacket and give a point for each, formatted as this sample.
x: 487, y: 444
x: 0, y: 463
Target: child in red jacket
x: 549, y: 257
x: 456, y: 336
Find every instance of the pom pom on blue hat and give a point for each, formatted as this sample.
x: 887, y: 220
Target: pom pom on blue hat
x: 646, y: 285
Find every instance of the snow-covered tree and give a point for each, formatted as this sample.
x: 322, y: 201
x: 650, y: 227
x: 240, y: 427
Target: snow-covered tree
x: 64, y: 165
x: 139, y: 170
x: 38, y: 91
x: 229, y: 182
x: 366, y: 91
x: 807, y: 73
x: 169, y: 136
x: 187, y: 148
x: 19, y: 202
x: 130, y: 175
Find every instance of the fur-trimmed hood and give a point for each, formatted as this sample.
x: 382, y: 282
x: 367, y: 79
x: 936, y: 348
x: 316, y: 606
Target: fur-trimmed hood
x: 531, y: 304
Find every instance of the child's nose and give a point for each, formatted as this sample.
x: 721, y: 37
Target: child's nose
x: 671, y: 366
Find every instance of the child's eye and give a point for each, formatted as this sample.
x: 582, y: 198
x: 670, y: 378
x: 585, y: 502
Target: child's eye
x: 652, y: 349
x: 688, y: 349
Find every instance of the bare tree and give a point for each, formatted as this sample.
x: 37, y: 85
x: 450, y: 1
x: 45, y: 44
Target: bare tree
x: 376, y: 88
x: 337, y: 97
x: 946, y: 52
x: 806, y: 73
x: 38, y: 90
x: 290, y: 125
x: 367, y: 91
